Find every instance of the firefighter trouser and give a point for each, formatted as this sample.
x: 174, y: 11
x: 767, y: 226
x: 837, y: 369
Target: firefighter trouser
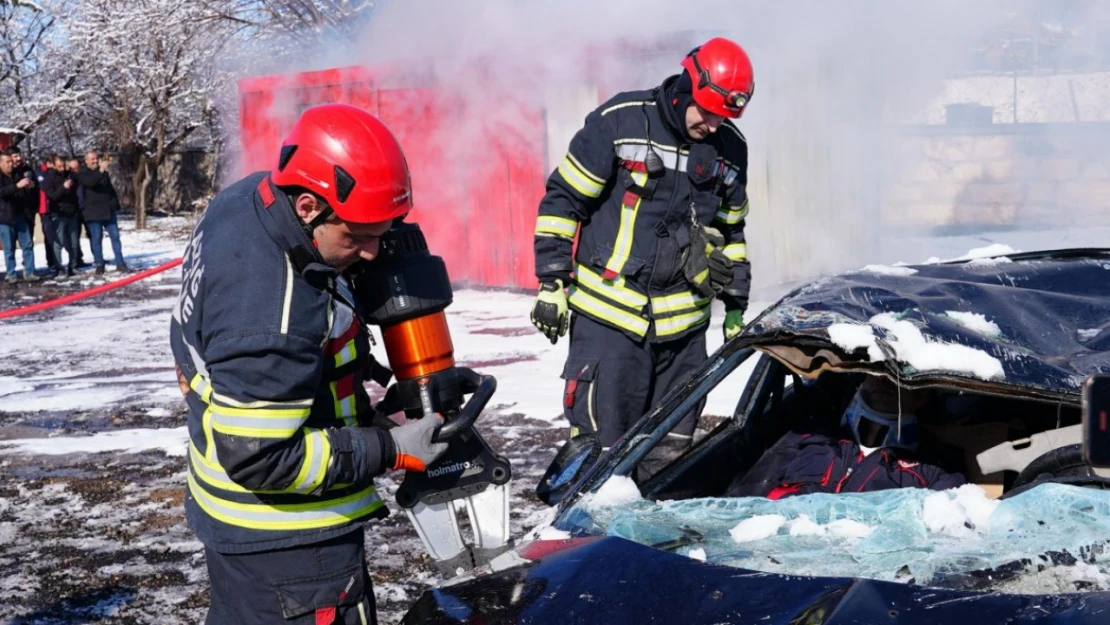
x: 318, y: 584
x: 613, y: 380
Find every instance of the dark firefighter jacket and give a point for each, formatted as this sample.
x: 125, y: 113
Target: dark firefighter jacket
x: 274, y: 361
x: 633, y: 228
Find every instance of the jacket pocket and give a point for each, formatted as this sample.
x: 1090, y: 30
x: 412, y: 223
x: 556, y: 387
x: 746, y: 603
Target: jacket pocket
x: 603, y: 253
x: 335, y: 593
x: 579, y: 393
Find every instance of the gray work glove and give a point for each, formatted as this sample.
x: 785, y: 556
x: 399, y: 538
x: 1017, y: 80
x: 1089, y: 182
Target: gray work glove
x: 413, y: 443
x: 704, y: 264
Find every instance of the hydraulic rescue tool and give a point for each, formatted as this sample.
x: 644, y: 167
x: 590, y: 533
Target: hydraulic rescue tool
x: 405, y: 291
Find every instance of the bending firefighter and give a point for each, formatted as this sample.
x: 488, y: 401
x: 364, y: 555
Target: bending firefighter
x: 272, y: 359
x: 654, y: 187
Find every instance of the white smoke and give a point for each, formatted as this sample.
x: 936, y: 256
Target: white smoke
x: 832, y: 81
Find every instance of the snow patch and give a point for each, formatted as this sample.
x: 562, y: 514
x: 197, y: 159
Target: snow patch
x: 618, y: 490
x: 993, y: 254
x: 158, y: 413
x: 170, y: 440
x: 889, y: 270
x: 757, y: 527
x: 959, y: 512
x: 975, y: 322
x: 805, y: 526
x: 551, y: 533
x: 697, y: 553
x: 849, y: 528
x: 1088, y: 334
x: 989, y: 262
x: 913, y: 348
x: 853, y: 336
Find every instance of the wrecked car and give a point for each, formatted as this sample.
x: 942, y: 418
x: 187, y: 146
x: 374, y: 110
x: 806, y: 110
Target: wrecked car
x: 1000, y: 345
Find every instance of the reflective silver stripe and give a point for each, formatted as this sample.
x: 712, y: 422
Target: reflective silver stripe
x: 272, y: 423
x: 557, y: 226
x: 287, y: 302
x: 613, y: 289
x: 733, y: 214
x: 346, y: 354
x: 299, y: 405
x: 317, y: 454
x: 310, y: 515
x: 636, y: 150
x: 677, y: 302
x: 579, y: 178
x: 599, y: 309
x: 616, y: 107
x: 736, y: 251
x: 679, y: 323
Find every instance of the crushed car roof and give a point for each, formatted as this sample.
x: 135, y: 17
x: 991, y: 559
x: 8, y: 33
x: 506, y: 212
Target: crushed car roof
x: 1036, y: 323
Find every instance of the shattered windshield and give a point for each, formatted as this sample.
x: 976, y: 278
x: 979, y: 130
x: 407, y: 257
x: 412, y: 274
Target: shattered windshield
x: 1049, y: 539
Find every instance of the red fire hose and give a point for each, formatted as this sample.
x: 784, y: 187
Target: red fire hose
x: 97, y: 290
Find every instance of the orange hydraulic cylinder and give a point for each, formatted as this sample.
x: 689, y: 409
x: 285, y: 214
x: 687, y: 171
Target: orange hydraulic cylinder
x: 419, y: 347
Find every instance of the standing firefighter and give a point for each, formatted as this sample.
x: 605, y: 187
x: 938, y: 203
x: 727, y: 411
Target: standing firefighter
x: 654, y: 187
x: 272, y: 360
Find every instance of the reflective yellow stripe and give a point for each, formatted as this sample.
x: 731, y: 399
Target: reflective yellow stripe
x: 317, y: 455
x: 677, y: 302
x: 702, y: 276
x: 733, y: 214
x: 311, y: 515
x: 622, y: 248
x: 210, y: 446
x: 549, y: 225
x: 201, y: 387
x: 578, y: 177
x: 587, y: 303
x: 679, y: 323
x: 346, y: 354
x: 613, y: 289
x: 258, y: 422
x: 344, y: 406
x: 736, y: 251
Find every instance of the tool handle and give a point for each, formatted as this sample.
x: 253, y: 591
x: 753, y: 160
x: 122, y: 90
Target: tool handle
x: 483, y: 387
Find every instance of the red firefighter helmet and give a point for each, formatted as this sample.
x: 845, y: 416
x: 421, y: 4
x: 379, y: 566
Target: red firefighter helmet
x: 722, y: 76
x: 350, y: 158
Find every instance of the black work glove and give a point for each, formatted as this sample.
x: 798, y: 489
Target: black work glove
x: 550, y: 314
x: 704, y: 264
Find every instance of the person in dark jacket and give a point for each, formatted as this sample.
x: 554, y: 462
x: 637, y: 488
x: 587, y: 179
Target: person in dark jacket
x: 61, y: 193
x: 13, y: 220
x: 73, y: 166
x: 27, y: 199
x: 101, y: 204
x: 272, y: 359
x: 877, y: 447
x: 654, y: 187
x: 47, y: 222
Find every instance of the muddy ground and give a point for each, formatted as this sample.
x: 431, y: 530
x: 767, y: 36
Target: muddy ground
x: 101, y: 538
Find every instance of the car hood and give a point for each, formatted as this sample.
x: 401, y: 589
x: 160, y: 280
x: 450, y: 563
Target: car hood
x: 612, y: 580
x: 1034, y: 323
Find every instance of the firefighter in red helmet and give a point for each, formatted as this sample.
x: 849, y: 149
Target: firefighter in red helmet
x: 654, y: 188
x: 272, y: 359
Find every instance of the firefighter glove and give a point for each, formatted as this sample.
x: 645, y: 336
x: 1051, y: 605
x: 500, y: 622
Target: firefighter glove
x: 734, y: 323
x: 413, y: 443
x: 704, y: 263
x: 550, y: 314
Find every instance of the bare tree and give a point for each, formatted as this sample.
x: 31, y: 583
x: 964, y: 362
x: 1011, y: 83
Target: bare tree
x: 35, y: 82
x: 148, y: 64
x: 299, y: 20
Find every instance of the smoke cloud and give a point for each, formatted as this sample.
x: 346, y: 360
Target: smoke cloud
x: 834, y: 83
